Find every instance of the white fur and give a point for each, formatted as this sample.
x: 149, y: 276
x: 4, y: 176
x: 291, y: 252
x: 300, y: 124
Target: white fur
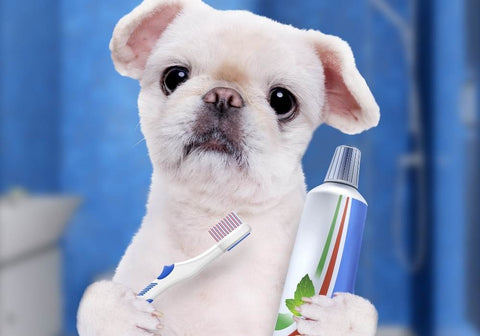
x: 238, y: 294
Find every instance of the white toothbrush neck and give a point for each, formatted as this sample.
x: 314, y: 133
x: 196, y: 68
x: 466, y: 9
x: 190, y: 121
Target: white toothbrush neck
x: 195, y: 264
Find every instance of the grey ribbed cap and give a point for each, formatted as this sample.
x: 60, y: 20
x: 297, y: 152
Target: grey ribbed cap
x: 345, y: 166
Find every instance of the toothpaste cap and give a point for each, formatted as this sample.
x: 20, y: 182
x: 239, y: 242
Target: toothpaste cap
x: 345, y: 166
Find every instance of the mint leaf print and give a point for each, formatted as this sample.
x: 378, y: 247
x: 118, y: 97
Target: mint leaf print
x: 283, y: 321
x: 291, y: 304
x: 304, y: 289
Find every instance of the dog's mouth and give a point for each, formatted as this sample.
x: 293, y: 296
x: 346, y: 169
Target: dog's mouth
x: 214, y: 141
x: 214, y: 145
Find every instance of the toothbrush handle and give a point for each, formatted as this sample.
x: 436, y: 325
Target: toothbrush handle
x: 173, y: 274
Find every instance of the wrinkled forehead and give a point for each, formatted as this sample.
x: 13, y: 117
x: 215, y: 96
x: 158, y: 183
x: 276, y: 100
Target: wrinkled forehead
x: 235, y: 46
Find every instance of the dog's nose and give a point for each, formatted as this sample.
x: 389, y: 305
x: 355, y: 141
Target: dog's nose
x: 224, y: 98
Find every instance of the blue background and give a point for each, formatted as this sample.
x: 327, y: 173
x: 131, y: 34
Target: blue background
x: 69, y: 124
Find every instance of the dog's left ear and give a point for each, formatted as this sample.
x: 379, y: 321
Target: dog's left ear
x: 349, y: 104
x: 136, y: 33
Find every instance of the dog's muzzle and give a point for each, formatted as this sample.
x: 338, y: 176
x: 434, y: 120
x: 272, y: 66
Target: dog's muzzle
x: 214, y: 140
x: 218, y: 125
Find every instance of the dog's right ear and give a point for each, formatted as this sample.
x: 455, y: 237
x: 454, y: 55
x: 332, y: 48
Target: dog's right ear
x: 136, y: 33
x: 349, y: 104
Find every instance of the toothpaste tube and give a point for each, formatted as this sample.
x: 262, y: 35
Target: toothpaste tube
x: 328, y: 242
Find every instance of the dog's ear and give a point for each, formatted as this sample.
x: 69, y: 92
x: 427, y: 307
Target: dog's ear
x: 136, y: 33
x: 349, y: 104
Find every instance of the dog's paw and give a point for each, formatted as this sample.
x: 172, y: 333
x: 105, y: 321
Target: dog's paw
x: 111, y: 309
x: 141, y: 315
x: 343, y: 315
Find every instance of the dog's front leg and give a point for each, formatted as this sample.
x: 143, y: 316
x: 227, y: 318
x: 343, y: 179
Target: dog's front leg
x: 343, y: 315
x: 111, y: 309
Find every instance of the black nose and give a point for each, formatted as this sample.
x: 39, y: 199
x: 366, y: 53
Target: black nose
x: 224, y: 98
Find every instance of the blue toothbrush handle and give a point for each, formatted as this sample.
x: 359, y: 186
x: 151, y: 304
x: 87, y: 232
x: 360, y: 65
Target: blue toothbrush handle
x: 174, y: 273
x: 167, y: 269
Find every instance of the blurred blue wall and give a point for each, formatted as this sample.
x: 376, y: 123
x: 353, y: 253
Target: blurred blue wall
x: 456, y: 117
x: 29, y: 85
x: 103, y: 156
x: 69, y: 123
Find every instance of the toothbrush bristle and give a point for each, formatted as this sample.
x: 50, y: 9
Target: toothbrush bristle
x: 225, y: 226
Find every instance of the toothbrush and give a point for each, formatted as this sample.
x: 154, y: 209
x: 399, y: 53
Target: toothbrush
x: 228, y: 233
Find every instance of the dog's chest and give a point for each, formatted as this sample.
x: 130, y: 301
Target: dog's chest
x: 236, y: 295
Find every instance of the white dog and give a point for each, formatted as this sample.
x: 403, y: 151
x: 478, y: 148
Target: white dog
x: 228, y: 104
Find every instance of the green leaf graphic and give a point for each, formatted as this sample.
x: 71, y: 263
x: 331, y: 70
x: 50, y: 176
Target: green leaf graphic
x: 291, y: 304
x: 283, y: 321
x: 304, y: 289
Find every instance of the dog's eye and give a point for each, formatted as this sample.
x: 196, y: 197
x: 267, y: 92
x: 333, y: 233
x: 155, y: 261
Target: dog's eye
x: 173, y: 77
x: 283, y: 102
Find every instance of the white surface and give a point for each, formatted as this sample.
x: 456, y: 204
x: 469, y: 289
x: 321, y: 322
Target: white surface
x: 30, y: 222
x: 30, y: 297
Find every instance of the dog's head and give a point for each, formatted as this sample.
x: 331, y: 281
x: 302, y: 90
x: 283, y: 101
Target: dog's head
x: 229, y: 93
